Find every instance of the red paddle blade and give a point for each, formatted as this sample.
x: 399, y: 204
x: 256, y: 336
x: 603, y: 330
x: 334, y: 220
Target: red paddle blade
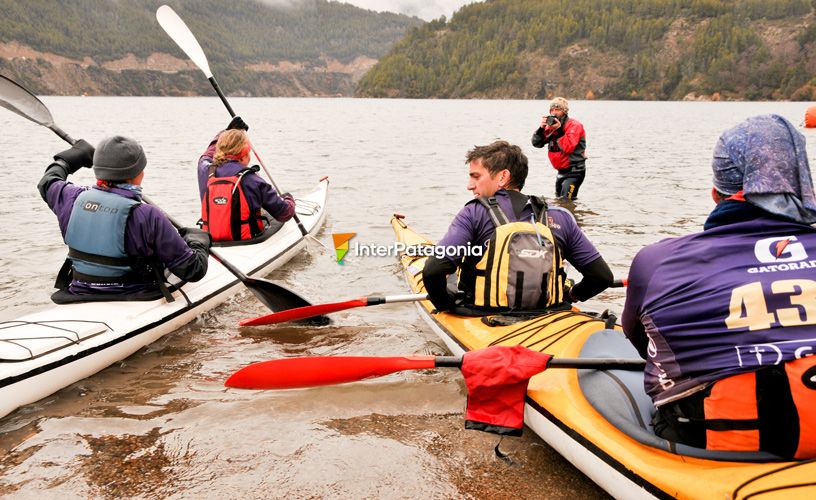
x: 303, y: 312
x: 292, y: 373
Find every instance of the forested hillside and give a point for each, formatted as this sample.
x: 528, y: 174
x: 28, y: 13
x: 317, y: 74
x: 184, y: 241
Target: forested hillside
x: 609, y: 49
x: 117, y: 47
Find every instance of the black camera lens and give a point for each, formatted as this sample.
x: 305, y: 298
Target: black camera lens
x: 551, y: 120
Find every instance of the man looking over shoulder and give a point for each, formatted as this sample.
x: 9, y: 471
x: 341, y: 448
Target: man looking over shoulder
x: 497, y: 173
x: 566, y: 141
x: 725, y: 317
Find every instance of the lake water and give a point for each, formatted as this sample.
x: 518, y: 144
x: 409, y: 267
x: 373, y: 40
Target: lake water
x: 159, y: 424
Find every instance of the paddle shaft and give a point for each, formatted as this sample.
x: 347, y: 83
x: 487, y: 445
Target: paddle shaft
x: 293, y: 373
x: 64, y: 136
x: 580, y: 363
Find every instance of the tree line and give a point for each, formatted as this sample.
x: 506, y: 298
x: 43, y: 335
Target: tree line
x: 238, y: 31
x: 530, y: 48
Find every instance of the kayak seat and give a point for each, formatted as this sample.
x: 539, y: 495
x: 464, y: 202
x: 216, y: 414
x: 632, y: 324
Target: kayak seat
x: 66, y: 297
x: 620, y: 397
x: 273, y: 226
x: 63, y: 296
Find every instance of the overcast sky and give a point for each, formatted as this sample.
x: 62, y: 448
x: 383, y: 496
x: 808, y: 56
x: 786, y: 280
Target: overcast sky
x: 424, y: 9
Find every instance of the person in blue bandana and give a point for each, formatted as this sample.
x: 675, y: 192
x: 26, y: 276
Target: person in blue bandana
x: 725, y: 317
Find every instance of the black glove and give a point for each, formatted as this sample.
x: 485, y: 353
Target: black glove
x: 238, y: 123
x: 80, y: 155
x: 196, y: 237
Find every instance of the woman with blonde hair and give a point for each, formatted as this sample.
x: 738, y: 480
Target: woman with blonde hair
x: 233, y: 195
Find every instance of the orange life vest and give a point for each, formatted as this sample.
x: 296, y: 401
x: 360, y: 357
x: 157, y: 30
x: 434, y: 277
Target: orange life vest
x: 732, y: 416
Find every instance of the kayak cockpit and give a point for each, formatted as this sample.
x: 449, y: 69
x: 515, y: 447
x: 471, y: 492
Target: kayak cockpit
x: 620, y: 397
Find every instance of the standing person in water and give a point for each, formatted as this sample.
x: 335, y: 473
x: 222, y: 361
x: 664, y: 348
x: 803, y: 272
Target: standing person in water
x: 566, y: 143
x: 233, y: 195
x: 725, y: 317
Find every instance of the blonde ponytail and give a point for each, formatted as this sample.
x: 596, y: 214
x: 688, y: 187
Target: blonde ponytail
x: 232, y: 145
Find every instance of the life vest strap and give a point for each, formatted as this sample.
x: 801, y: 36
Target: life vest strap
x: 73, y: 253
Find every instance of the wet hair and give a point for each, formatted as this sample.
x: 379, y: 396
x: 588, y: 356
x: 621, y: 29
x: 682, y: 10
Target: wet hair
x: 231, y: 145
x: 501, y: 155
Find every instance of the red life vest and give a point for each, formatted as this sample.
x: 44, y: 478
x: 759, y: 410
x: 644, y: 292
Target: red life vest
x: 225, y: 213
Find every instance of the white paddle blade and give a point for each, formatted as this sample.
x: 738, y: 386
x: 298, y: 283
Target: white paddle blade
x: 184, y: 38
x: 21, y: 101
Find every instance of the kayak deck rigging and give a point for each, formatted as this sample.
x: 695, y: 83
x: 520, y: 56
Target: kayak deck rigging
x: 27, y: 340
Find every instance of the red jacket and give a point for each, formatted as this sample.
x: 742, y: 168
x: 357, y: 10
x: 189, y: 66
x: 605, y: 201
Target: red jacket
x: 567, y: 146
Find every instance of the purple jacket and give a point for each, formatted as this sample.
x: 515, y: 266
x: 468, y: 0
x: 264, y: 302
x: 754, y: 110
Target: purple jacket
x: 728, y: 300
x: 258, y: 192
x: 472, y: 225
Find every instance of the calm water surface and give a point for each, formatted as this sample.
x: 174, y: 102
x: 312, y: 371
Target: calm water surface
x: 160, y: 424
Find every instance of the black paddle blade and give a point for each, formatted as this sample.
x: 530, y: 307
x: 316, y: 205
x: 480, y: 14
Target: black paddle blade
x: 278, y: 298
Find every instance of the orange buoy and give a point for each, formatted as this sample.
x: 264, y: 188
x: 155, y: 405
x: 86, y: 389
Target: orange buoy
x: 810, y: 117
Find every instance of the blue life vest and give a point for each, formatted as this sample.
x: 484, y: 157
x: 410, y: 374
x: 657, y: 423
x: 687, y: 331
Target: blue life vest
x: 96, y: 236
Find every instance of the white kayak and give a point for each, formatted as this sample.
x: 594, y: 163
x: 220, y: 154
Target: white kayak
x: 42, y: 352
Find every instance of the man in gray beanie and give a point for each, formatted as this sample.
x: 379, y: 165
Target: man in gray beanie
x: 118, y: 247
x: 566, y: 141
x: 724, y: 317
x: 118, y: 158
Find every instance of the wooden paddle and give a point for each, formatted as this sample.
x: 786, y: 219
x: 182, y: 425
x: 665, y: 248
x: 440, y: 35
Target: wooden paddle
x: 302, y: 313
x: 293, y: 373
x: 23, y: 102
x: 176, y: 29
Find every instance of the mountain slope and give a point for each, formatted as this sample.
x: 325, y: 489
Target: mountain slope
x: 117, y: 47
x: 612, y: 49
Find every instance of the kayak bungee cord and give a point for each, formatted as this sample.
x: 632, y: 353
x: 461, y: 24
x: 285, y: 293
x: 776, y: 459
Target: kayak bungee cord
x: 541, y: 323
x: 16, y: 341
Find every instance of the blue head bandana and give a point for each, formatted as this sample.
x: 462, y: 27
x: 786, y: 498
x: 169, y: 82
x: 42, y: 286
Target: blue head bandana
x: 765, y: 158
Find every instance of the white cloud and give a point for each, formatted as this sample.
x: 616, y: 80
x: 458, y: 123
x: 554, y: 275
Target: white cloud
x: 424, y: 9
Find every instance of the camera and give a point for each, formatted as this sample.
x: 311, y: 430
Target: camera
x: 551, y: 120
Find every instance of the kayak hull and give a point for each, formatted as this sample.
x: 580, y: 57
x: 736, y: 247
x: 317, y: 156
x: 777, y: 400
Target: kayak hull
x: 559, y: 412
x: 45, y: 351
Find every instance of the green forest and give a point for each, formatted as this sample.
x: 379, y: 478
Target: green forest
x: 238, y: 30
x: 607, y: 49
x: 233, y: 35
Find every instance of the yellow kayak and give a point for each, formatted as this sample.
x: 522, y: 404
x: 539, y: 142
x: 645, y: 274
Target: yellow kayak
x: 600, y: 420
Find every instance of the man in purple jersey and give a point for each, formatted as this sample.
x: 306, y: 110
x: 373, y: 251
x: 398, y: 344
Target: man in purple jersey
x: 499, y: 170
x: 725, y: 317
x: 118, y: 246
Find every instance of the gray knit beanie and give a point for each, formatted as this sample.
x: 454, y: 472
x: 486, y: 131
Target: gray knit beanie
x: 118, y: 158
